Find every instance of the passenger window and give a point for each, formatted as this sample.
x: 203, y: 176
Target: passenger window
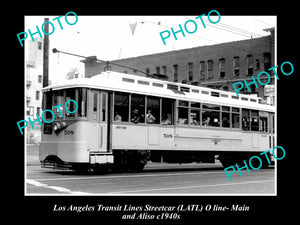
x: 95, y: 103
x: 167, y: 111
x: 121, y: 107
x: 195, y: 113
x: 195, y: 117
x: 153, y: 110
x: 183, y: 109
x: 272, y: 123
x: 137, y: 108
x: 104, y: 96
x: 263, y: 121
x: 235, y: 117
x: 254, y: 120
x: 210, y: 115
x: 225, y: 116
x: 246, y: 119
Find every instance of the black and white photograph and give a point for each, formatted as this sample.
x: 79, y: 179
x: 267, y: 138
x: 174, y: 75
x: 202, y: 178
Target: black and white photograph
x: 152, y: 107
x: 191, y: 116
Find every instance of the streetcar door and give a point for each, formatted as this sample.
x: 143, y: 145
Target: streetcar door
x: 103, y: 121
x: 98, y: 118
x: 94, y: 117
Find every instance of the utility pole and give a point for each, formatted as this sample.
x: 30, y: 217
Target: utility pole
x: 46, y: 54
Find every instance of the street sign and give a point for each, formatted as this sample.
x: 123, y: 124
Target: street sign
x: 269, y: 90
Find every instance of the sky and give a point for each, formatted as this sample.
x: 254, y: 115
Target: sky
x: 111, y: 37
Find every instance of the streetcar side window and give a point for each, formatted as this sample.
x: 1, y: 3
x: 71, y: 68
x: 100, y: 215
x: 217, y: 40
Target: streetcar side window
x: 167, y: 109
x: 246, y: 119
x: 235, y: 117
x: 121, y: 107
x: 225, y: 116
x: 254, y: 120
x: 210, y: 115
x: 272, y: 123
x: 153, y: 110
x: 103, y: 101
x: 263, y: 121
x: 183, y: 109
x: 95, y: 102
x: 195, y: 114
x: 137, y: 108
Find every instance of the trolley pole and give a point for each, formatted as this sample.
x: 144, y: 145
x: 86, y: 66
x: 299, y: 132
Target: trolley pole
x: 46, y: 55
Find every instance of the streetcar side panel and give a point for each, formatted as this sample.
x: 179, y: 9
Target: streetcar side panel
x: 145, y: 137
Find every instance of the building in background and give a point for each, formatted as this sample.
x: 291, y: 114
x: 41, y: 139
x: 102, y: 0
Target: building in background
x: 34, y: 84
x: 215, y: 66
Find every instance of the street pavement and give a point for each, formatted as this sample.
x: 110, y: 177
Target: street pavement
x: 156, y: 179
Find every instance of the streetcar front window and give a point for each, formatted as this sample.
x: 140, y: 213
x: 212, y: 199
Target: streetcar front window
x: 70, y: 94
x: 81, y: 102
x: 47, y: 104
x: 58, y: 100
x: 60, y: 97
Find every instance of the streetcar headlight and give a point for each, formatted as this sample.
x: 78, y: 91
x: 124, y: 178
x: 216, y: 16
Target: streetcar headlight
x: 56, y: 127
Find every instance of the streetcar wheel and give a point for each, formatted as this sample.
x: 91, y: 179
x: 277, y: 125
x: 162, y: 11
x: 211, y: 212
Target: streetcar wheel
x: 137, y: 160
x: 137, y: 165
x: 121, y: 162
x: 80, y: 168
x: 226, y: 161
x: 100, y: 169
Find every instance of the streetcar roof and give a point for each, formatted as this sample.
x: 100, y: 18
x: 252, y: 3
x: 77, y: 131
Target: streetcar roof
x: 115, y: 81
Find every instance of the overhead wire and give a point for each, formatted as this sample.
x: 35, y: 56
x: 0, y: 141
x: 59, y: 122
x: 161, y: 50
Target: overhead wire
x: 224, y: 27
x: 216, y: 26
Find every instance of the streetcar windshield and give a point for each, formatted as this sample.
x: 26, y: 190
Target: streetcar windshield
x: 60, y: 97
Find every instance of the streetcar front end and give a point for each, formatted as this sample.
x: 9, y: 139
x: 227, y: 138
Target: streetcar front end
x: 68, y: 134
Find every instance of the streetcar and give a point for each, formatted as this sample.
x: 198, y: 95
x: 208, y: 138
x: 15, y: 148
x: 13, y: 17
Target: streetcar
x: 124, y: 121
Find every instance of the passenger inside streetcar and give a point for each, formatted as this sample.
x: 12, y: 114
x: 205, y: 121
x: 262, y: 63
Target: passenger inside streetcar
x: 225, y: 122
x: 195, y: 121
x: 117, y: 117
x: 206, y: 122
x: 150, y: 118
x: 166, y: 120
x: 136, y: 116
